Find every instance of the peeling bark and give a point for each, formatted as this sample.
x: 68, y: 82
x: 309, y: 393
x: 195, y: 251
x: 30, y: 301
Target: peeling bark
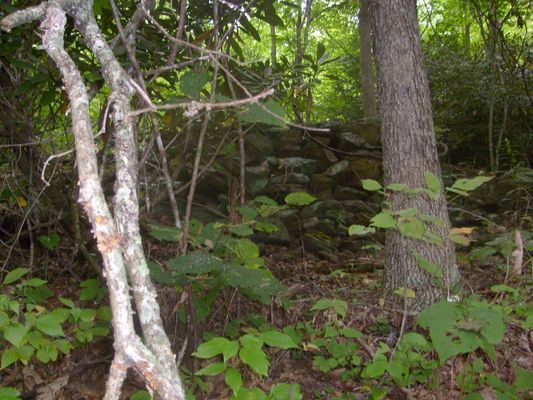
x: 118, y: 239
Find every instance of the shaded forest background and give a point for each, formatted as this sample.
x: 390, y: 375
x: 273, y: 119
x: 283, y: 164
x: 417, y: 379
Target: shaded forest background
x: 215, y: 186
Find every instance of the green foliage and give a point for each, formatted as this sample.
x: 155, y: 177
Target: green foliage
x: 248, y: 350
x: 270, y: 113
x: 9, y: 393
x: 340, y: 307
x: 28, y: 328
x: 463, y: 328
x: 299, y: 199
x: 223, y: 256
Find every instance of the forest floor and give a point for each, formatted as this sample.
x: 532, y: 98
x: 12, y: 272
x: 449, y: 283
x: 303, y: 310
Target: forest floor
x: 82, y: 374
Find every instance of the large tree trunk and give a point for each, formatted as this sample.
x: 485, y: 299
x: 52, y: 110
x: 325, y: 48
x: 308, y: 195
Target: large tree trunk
x: 409, y: 152
x: 368, y: 90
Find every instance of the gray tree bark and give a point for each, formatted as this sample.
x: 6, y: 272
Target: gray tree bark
x: 368, y: 87
x: 409, y: 151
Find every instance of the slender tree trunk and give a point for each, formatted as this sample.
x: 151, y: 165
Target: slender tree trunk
x: 368, y: 87
x: 409, y: 152
x: 273, y: 47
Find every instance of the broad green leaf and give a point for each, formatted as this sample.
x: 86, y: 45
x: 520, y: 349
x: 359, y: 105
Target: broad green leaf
x: 49, y: 325
x: 433, y: 184
x: 233, y: 379
x: 340, y: 306
x: 360, y: 230
x: 9, y: 356
x: 350, y: 332
x: 15, y: 275
x: 467, y: 185
x: 256, y: 358
x: 407, y: 212
x: 91, y: 290
x: 9, y: 393
x: 299, y: 199
x: 278, y: 339
x: 285, y: 391
x: 265, y: 200
x: 50, y: 242
x: 231, y: 348
x: 248, y: 213
x: 432, y: 269
x: 211, y: 369
x: 69, y: 303
x: 241, y: 230
x: 371, y: 185
x: 198, y: 262
x: 165, y: 233
x: 141, y: 395
x: 412, y: 228
x: 524, y: 380
x: 34, y: 282
x: 266, y: 227
x: 192, y: 83
x: 14, y: 334
x: 492, y: 326
x: 257, y: 113
x: 383, y: 220
x: 375, y: 369
x: 211, y: 348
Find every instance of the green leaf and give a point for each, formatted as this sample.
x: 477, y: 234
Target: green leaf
x: 524, y: 380
x: 15, y: 275
x: 255, y: 113
x: 383, y: 220
x: 241, y: 230
x: 211, y: 369
x: 50, y: 242
x: 433, y: 184
x: 34, y: 282
x: 371, y: 185
x: 278, y: 339
x: 441, y: 319
x: 285, y: 391
x: 211, y: 348
x: 25, y: 353
x: 9, y: 393
x: 49, y: 325
x: 340, y: 306
x: 198, y: 262
x: 432, y: 269
x: 360, y: 230
x: 248, y: 213
x: 375, y: 369
x: 91, y: 290
x: 14, y: 334
x: 233, y: 379
x: 299, y: 199
x: 69, y: 303
x: 230, y: 349
x: 492, y: 326
x: 266, y: 227
x: 165, y: 233
x: 141, y: 395
x: 350, y: 333
x: 9, y: 356
x: 265, y: 200
x: 255, y: 358
x: 407, y: 212
x: 192, y: 83
x: 412, y: 227
x: 467, y: 185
